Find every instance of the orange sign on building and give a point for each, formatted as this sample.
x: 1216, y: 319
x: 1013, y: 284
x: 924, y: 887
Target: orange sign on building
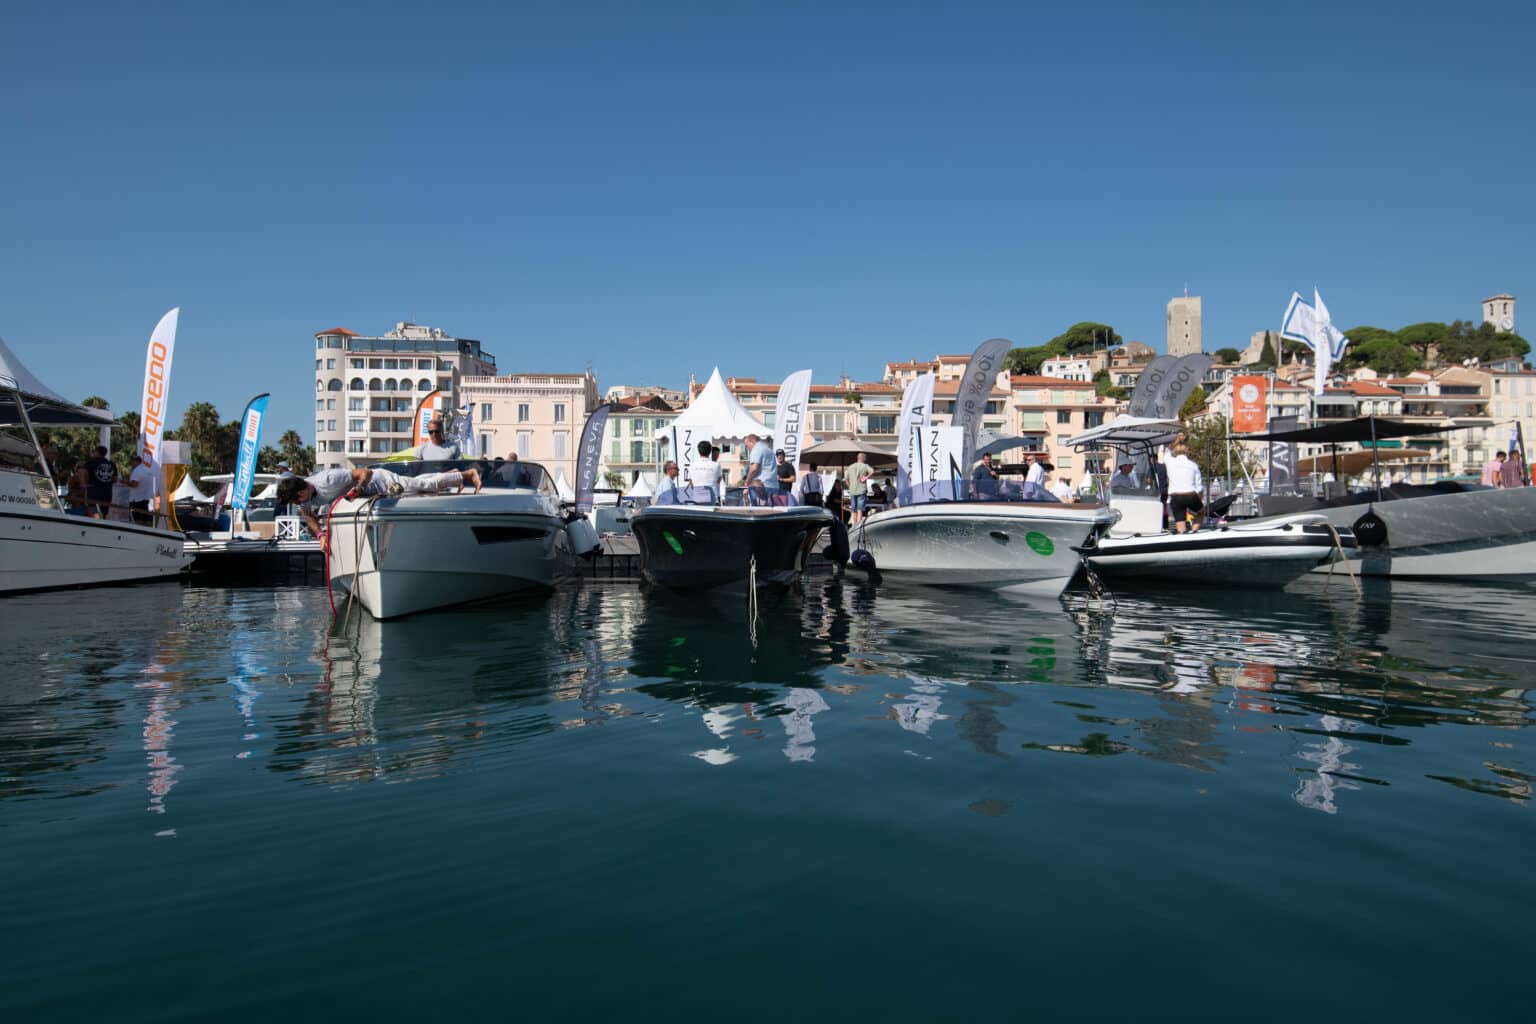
x: 1248, y: 412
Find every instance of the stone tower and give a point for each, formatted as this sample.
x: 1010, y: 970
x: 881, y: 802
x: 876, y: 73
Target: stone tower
x: 1184, y: 326
x: 1499, y: 310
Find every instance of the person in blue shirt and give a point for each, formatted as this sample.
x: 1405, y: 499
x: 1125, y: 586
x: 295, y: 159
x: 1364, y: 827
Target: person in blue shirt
x: 760, y: 462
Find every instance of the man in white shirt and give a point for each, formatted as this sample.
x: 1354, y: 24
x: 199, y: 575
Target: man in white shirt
x: 141, y: 487
x: 705, y: 471
x: 1184, y: 487
x: 324, y: 487
x: 1036, y: 473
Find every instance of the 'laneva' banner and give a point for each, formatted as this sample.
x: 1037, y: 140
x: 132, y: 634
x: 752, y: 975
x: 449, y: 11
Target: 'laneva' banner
x: 588, y: 456
x: 789, y: 417
x: 1248, y: 404
x: 250, y: 445
x: 157, y: 385
x: 916, y: 411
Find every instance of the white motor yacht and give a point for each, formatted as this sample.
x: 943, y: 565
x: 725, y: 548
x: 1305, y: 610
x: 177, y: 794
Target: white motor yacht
x: 414, y: 552
x: 1016, y: 546
x: 1267, y: 553
x: 41, y: 546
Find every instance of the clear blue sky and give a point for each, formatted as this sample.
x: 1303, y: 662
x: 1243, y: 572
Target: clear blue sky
x: 658, y: 188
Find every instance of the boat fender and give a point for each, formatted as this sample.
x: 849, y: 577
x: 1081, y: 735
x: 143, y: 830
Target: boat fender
x: 1370, y: 531
x: 837, y: 543
x: 583, y: 535
x: 862, y: 559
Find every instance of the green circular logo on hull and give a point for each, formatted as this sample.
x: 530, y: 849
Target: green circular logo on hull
x: 1039, y: 543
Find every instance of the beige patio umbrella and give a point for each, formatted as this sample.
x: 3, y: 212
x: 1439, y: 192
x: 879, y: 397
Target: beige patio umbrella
x: 1342, y: 464
x: 843, y: 451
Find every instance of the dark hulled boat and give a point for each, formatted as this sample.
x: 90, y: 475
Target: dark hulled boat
x: 696, y: 544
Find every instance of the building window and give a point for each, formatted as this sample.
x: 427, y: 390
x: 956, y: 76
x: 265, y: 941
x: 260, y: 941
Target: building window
x: 319, y: 426
x: 354, y: 405
x: 401, y: 405
x: 823, y: 421
x: 330, y: 403
x: 637, y: 451
x: 317, y: 363
x: 374, y: 384
x: 1093, y: 419
x: 320, y: 342
x: 375, y: 364
x: 485, y: 411
x: 334, y: 384
x: 355, y: 425
x: 356, y: 364
x: 357, y: 384
x: 559, y: 412
x: 562, y: 443
x: 524, y: 443
x: 424, y: 385
x: 1063, y: 415
x: 423, y: 364
x: 355, y: 446
x: 879, y: 424
x: 403, y: 426
x: 391, y: 364
x: 616, y: 450
x: 522, y: 412
x: 319, y: 404
x: 330, y: 364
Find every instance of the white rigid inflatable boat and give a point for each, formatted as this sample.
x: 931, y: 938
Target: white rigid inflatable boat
x: 399, y: 555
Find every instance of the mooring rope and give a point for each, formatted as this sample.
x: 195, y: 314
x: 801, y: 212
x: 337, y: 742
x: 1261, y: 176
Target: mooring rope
x: 1338, y: 545
x: 752, y: 600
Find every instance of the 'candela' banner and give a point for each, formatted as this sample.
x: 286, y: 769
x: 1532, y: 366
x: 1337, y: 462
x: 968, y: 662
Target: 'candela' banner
x: 1248, y: 412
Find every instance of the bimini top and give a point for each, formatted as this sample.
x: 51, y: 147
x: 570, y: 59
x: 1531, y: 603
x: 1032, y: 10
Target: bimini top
x: 1364, y: 428
x: 1126, y: 430
x: 45, y: 407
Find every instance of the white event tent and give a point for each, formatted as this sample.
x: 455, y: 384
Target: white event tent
x: 188, y: 491
x: 717, y: 415
x: 642, y: 487
x: 563, y: 487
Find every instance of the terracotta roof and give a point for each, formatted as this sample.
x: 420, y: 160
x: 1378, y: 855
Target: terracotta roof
x: 953, y: 359
x: 338, y: 330
x: 924, y: 364
x: 1366, y: 387
x: 1038, y: 381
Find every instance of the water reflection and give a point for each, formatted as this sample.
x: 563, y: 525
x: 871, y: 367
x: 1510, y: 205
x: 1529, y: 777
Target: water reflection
x: 1332, y: 691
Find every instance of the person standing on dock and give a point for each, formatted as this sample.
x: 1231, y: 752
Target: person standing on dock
x: 784, y: 471
x: 857, y: 478
x: 437, y: 449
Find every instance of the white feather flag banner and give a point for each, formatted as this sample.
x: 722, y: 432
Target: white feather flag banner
x: 1311, y: 325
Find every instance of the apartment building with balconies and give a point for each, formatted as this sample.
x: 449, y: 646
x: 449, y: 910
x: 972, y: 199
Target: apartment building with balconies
x: 367, y: 388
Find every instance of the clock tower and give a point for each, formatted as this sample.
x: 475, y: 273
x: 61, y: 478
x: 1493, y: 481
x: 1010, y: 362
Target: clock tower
x: 1499, y: 310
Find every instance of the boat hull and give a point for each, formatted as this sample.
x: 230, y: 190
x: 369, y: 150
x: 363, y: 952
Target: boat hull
x: 1462, y: 535
x: 1242, y: 555
x: 399, y: 556
x: 694, y: 547
x: 47, y: 550
x: 1022, y: 547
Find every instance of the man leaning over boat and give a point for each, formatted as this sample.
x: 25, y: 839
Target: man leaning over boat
x: 326, y: 486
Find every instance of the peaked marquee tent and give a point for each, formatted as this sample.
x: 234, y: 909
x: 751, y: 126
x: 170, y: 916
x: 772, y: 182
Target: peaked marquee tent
x: 717, y: 415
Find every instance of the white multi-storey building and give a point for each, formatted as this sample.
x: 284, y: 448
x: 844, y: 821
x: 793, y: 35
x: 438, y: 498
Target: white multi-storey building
x: 366, y: 388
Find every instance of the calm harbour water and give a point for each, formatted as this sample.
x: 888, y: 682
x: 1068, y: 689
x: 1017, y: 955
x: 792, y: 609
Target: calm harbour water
x: 903, y: 803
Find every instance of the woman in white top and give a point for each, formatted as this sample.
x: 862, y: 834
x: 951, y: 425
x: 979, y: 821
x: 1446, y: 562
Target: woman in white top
x: 1184, y: 487
x: 705, y: 471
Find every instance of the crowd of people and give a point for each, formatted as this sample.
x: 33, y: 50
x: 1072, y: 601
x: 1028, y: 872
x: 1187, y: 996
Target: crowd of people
x: 94, y: 487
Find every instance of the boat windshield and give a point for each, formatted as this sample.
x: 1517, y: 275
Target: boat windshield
x: 1005, y: 489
